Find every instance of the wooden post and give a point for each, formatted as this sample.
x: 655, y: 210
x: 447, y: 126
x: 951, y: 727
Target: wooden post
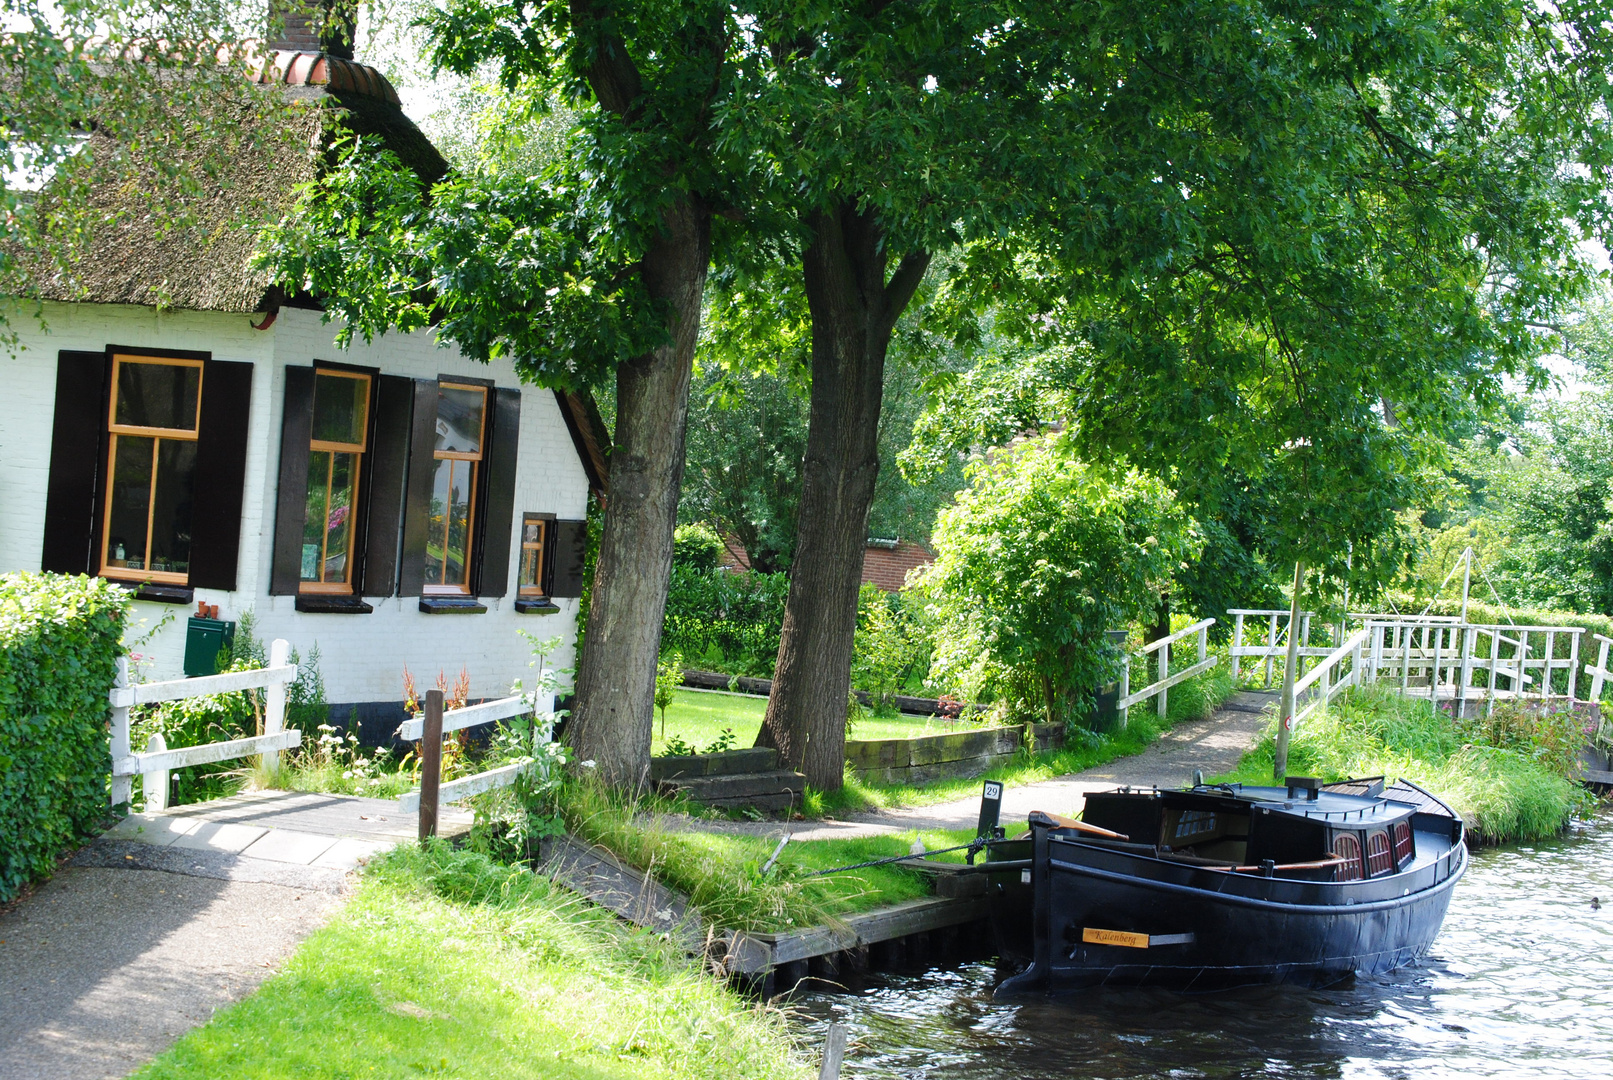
x: 123, y: 786
x: 1433, y: 680
x: 1495, y: 658
x: 274, y: 701
x: 430, y: 764
x: 1551, y: 650
x: 1204, y: 643
x: 155, y: 783
x: 834, y: 1052
x: 1597, y: 677
x: 1237, y: 643
x: 1164, y: 673
x: 1125, y: 688
x: 1406, y: 634
x: 1285, y: 713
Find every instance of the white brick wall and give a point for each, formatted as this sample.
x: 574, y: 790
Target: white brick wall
x: 362, y: 656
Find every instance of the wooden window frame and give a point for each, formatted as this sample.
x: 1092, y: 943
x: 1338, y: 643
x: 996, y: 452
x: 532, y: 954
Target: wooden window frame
x: 115, y: 429
x: 1403, y: 847
x: 346, y: 587
x: 1380, y: 860
x: 544, y: 546
x: 475, y: 461
x: 1354, y: 866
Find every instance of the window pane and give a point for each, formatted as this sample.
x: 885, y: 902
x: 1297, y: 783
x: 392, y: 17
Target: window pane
x: 450, y: 523
x: 339, y: 521
x: 171, y: 511
x: 157, y: 395
x: 313, y: 518
x: 532, y: 532
x: 130, y: 502
x: 341, y: 408
x: 459, y: 420
x: 531, y: 567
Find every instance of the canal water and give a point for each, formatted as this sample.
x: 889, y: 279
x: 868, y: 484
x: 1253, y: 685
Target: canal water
x: 1519, y: 983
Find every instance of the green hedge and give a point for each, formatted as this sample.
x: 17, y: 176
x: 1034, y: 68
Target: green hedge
x: 60, y: 638
x: 725, y: 621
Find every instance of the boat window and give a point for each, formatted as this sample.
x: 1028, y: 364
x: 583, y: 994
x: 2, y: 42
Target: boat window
x: 1347, y: 847
x: 1193, y: 825
x: 1378, y: 860
x: 1403, y: 849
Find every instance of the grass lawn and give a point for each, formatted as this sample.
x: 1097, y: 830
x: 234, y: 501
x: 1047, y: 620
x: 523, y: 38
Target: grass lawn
x: 700, y: 717
x: 445, y: 963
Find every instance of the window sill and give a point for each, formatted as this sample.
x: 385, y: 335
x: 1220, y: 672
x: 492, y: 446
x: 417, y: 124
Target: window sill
x: 332, y: 604
x: 157, y: 594
x: 536, y: 605
x: 452, y: 605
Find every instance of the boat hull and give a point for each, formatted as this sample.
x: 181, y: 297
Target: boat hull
x: 1095, y: 918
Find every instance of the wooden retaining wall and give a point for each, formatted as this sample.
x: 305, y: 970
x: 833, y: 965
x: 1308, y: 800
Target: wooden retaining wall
x: 928, y: 758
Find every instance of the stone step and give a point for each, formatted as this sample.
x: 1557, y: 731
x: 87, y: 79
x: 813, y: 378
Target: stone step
x: 775, y: 789
x: 755, y: 759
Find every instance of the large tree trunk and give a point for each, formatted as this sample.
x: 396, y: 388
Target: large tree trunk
x: 854, y: 311
x: 616, y: 674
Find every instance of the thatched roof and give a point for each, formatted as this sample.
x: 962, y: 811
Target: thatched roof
x: 270, y: 141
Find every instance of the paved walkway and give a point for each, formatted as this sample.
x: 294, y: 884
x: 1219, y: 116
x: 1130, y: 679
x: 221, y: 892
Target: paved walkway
x: 1211, y: 746
x: 171, y: 916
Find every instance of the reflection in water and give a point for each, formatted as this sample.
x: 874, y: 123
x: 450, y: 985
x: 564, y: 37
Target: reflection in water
x: 1519, y: 982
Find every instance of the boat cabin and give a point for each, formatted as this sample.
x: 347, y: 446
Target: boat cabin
x: 1306, y: 828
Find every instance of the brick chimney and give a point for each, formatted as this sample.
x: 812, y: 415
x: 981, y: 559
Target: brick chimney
x: 329, y: 26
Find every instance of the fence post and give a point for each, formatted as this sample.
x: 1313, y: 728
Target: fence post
x: 155, y: 783
x: 274, y: 702
x: 1164, y: 672
x: 1204, y: 643
x: 123, y: 786
x: 1573, y: 668
x: 1601, y: 666
x: 430, y: 764
x: 1125, y: 688
x: 1271, y: 646
x: 1237, y: 643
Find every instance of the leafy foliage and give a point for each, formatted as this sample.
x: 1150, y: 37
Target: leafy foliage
x: 1035, y: 561
x: 697, y: 546
x: 892, y: 644
x: 60, y: 639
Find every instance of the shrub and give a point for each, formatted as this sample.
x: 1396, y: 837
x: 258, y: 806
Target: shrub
x: 892, y: 645
x: 725, y: 621
x: 60, y: 639
x: 697, y: 547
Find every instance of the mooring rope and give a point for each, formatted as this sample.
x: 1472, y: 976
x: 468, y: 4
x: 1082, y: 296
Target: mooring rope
x: 891, y: 859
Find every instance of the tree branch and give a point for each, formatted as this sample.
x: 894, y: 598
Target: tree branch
x: 903, y: 284
x: 612, y: 74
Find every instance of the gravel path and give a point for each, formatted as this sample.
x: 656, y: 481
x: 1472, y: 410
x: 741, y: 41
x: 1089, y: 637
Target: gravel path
x: 130, y: 946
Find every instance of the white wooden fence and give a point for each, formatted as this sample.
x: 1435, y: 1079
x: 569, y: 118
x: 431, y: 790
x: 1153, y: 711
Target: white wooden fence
x: 1334, y: 673
x: 1160, y: 687
x: 1461, y: 662
x: 456, y: 720
x: 156, y: 762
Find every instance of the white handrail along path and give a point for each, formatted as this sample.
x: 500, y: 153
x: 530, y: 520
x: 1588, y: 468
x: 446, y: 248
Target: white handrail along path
x: 156, y: 762
x: 1161, y: 686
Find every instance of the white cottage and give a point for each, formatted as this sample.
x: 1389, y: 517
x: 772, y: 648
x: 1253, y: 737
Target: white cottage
x: 183, y: 429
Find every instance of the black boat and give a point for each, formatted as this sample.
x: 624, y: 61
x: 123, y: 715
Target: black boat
x: 1222, y: 886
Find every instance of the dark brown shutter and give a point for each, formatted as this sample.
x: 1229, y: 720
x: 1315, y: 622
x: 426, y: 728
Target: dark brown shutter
x: 417, y: 488
x: 498, y: 506
x: 570, y: 550
x: 291, y: 497
x: 77, y: 455
x: 388, y: 468
x: 215, y: 528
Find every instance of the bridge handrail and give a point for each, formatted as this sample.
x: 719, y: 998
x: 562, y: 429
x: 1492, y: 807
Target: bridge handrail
x: 1166, y: 680
x: 1323, y: 673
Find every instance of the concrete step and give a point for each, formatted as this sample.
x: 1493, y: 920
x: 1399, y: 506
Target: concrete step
x: 774, y: 789
x: 754, y: 759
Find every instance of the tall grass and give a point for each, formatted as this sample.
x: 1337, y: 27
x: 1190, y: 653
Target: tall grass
x: 721, y: 872
x: 1504, y: 792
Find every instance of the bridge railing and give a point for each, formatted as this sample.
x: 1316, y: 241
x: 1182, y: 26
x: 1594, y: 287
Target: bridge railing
x: 1268, y: 645
x: 155, y: 764
x: 1472, y: 661
x: 1160, y: 687
x: 429, y: 731
x: 1339, y: 670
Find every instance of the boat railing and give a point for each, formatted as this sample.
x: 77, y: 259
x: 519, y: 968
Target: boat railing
x: 1160, y: 687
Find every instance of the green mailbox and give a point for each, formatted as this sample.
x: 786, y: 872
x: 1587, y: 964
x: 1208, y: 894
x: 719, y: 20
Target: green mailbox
x: 204, y: 639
